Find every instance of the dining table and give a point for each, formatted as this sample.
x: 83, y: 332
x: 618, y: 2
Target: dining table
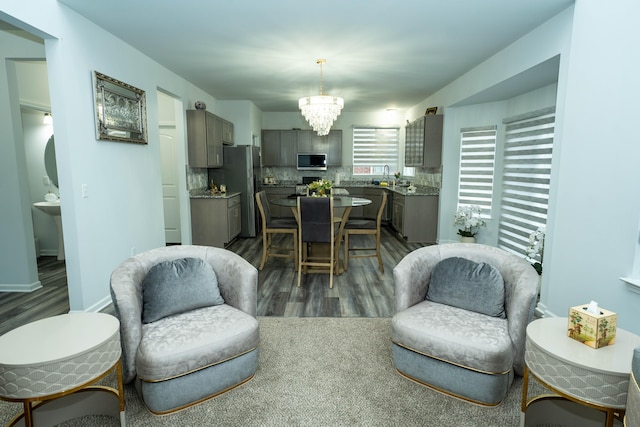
x: 339, y: 202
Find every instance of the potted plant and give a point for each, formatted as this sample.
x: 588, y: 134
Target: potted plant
x: 535, y: 250
x: 320, y: 188
x: 468, y: 216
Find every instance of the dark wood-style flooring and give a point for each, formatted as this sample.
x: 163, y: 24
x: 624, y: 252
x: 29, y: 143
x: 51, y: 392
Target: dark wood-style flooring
x: 362, y: 291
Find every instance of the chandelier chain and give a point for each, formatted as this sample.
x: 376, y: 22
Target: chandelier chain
x: 321, y: 110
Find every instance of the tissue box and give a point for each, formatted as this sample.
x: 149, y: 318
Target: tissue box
x: 594, y: 330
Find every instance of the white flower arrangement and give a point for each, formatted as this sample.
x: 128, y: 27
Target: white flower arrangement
x: 536, y: 247
x: 468, y: 216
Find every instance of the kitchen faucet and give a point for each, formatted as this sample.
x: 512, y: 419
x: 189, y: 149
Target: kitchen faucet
x: 385, y: 173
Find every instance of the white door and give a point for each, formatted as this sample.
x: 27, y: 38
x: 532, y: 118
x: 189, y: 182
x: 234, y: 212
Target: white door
x: 170, y: 199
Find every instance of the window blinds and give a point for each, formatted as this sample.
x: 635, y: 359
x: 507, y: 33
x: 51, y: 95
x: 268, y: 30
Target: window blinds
x: 526, y: 176
x: 477, y: 165
x: 373, y: 148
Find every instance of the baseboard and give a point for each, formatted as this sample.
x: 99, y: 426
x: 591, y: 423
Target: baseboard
x: 104, y: 302
x: 543, y: 311
x: 20, y: 287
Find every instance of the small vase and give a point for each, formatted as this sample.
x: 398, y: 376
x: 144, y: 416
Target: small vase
x: 464, y: 239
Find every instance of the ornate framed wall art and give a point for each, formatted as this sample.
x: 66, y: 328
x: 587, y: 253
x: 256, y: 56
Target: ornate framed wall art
x: 121, y: 110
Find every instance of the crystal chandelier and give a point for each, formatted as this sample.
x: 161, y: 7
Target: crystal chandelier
x: 321, y: 110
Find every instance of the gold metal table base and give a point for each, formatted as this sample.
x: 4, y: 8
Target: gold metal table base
x: 85, y: 399
x: 610, y: 415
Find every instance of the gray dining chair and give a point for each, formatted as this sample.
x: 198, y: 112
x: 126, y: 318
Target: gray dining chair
x: 316, y: 225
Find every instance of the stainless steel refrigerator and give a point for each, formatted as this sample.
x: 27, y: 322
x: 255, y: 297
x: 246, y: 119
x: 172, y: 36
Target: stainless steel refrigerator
x: 240, y: 172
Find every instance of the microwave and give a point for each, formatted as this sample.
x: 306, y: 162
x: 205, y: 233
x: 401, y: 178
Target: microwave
x: 312, y: 162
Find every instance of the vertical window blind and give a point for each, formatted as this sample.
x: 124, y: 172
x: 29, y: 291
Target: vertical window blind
x: 373, y: 148
x: 477, y: 165
x: 526, y: 177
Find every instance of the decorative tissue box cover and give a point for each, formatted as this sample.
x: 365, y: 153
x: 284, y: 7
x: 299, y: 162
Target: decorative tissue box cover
x: 593, y: 330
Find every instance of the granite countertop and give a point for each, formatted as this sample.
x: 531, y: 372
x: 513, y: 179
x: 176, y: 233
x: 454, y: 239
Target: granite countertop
x: 420, y: 190
x: 207, y: 194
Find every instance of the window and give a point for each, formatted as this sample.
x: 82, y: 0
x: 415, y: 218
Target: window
x: 477, y: 164
x: 526, y: 177
x: 375, y: 148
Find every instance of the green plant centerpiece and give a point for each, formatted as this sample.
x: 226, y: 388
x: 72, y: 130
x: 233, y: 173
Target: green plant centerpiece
x: 320, y: 188
x: 469, y: 217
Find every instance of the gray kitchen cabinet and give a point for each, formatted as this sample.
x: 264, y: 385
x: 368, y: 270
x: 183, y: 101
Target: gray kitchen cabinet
x: 423, y: 142
x: 288, y: 147
x: 279, y: 147
x: 375, y: 195
x: 416, y: 217
x: 330, y: 144
x: 397, y: 217
x: 357, y: 211
x: 273, y: 193
x: 215, y: 221
x: 270, y: 149
x: 227, y: 132
x: 234, y: 218
x: 204, y: 136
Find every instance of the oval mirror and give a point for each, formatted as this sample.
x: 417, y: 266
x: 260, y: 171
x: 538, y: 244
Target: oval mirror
x: 50, y: 161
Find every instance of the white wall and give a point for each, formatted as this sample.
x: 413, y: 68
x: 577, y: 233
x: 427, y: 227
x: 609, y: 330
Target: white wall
x: 18, y: 268
x: 123, y: 213
x: 593, y: 225
x: 596, y: 211
x: 487, y: 114
x: 246, y: 119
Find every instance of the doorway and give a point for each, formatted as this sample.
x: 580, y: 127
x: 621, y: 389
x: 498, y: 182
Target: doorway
x: 171, y: 143
x: 38, y: 143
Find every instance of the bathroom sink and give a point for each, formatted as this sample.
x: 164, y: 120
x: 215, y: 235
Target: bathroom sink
x: 51, y: 208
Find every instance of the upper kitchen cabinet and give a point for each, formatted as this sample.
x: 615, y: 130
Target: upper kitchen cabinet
x: 423, y: 142
x: 279, y: 147
x: 206, y: 134
x: 330, y: 144
x: 227, y: 132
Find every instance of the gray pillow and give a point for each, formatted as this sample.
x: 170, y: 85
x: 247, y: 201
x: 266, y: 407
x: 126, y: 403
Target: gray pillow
x: 173, y: 287
x: 466, y: 284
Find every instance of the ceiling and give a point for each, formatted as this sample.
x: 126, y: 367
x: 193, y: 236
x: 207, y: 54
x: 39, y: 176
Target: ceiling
x: 380, y: 54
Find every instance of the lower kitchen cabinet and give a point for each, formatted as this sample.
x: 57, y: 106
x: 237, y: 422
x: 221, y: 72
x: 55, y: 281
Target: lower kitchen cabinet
x: 375, y: 195
x: 358, y: 211
x: 215, y: 221
x: 273, y: 193
x: 416, y: 217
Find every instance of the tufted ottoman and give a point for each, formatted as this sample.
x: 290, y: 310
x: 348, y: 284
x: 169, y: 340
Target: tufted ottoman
x: 53, y: 361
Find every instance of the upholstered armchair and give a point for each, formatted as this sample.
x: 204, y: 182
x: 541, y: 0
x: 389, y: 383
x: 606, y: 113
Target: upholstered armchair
x: 187, y: 322
x: 460, y: 324
x: 632, y: 415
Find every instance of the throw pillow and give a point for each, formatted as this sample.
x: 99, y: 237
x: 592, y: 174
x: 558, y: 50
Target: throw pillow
x: 466, y: 284
x: 173, y: 287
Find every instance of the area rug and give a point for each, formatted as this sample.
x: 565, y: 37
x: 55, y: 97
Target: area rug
x: 321, y: 372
